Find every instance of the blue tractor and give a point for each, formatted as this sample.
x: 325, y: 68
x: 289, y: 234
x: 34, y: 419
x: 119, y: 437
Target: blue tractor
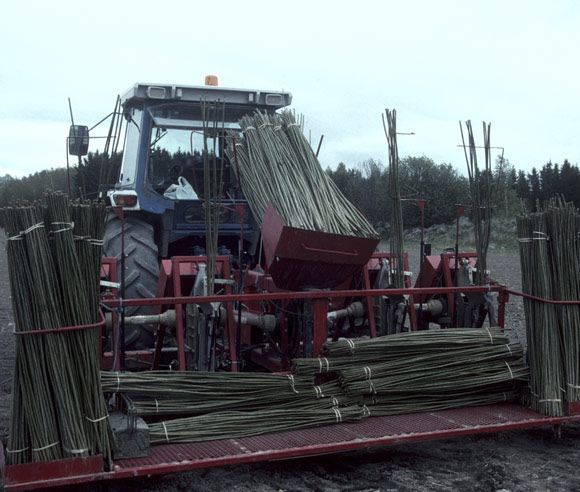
x: 161, y: 181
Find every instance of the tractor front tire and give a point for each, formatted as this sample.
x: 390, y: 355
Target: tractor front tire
x: 141, y: 272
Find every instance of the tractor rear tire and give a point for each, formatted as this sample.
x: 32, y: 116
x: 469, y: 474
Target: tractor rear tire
x: 141, y: 272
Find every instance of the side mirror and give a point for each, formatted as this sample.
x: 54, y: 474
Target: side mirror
x: 78, y: 140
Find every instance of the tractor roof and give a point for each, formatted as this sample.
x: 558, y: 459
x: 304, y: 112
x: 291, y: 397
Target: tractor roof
x: 258, y: 99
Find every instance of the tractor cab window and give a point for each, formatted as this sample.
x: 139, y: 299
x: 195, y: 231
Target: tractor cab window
x: 177, y: 150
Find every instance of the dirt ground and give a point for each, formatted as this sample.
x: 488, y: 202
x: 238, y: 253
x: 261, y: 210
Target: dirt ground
x: 516, y: 461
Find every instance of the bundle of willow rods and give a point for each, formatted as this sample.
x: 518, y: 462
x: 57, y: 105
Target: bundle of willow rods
x: 404, y: 344
x: 230, y: 405
x: 426, y: 362
x: 227, y: 425
x: 396, y: 404
x: 278, y: 166
x: 212, y: 182
x: 396, y: 232
x: 57, y: 408
x: 147, y: 406
x: 550, y: 270
x: 89, y: 219
x: 329, y: 365
x: 482, y: 192
x: 33, y: 429
x: 442, y: 378
x: 563, y: 223
x: 426, y: 370
x: 194, y: 393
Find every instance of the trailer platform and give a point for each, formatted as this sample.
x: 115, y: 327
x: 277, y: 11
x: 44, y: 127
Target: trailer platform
x: 370, y: 432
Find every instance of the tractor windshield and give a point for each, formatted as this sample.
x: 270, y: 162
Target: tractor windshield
x: 176, y: 149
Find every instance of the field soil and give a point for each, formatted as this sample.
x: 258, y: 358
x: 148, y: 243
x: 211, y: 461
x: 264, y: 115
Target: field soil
x: 516, y: 461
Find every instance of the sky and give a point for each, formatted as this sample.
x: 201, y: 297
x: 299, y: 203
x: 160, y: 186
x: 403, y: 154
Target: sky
x: 510, y: 63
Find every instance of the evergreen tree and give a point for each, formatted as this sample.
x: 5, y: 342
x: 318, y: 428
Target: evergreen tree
x: 535, y: 188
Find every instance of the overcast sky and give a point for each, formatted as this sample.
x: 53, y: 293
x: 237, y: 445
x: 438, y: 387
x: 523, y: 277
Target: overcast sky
x: 511, y: 63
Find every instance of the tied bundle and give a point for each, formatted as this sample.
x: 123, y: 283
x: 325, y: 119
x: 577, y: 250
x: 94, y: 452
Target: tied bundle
x: 550, y: 265
x: 425, y: 370
x: 404, y: 373
x: 278, y: 166
x: 57, y: 406
x: 229, y: 405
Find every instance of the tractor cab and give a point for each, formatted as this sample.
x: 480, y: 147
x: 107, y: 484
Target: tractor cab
x: 170, y: 130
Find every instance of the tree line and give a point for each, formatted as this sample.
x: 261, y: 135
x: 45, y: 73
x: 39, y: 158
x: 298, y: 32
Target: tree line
x: 442, y: 186
x: 83, y: 180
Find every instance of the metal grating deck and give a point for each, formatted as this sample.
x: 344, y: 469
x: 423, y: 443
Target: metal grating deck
x: 373, y: 431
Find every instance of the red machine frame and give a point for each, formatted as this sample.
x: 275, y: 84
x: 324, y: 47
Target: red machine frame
x: 370, y: 432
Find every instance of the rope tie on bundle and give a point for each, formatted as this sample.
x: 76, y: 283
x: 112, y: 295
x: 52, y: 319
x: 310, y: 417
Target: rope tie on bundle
x: 351, y: 345
x: 542, y: 236
x: 32, y: 228
x: 490, y: 337
x: 292, y: 383
x: 12, y: 451
x: 68, y: 226
x: 48, y: 446
x: 95, y: 421
x: 510, y: 369
x: 76, y: 451
x: 166, y: 434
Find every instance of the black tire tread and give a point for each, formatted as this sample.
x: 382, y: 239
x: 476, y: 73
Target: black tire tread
x: 141, y: 271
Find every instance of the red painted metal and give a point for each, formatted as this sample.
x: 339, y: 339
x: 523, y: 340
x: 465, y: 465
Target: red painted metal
x: 163, y: 284
x: 502, y: 298
x: 447, y: 265
x: 541, y: 299
x: 98, y: 324
x: 438, y: 270
x: 320, y: 326
x: 180, y: 271
x: 289, y: 295
x: 370, y: 432
x: 172, y: 279
x: 298, y: 258
x: 572, y: 407
x: 179, y: 331
x: 374, y: 264
x: 268, y: 358
x: 136, y: 360
x: 369, y: 301
x: 53, y: 473
x: 109, y: 272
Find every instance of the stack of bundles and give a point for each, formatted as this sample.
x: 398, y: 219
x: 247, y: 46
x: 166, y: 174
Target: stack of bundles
x: 57, y: 405
x: 426, y: 370
x: 278, y: 166
x: 550, y: 270
x: 229, y: 405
